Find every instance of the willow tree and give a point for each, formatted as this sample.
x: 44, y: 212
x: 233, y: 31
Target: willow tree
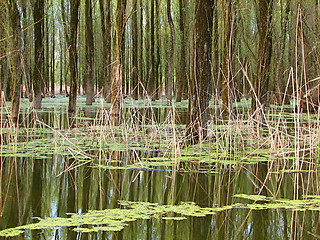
x: 38, y: 14
x: 201, y: 77
x: 73, y: 55
x: 152, y: 79
x: 169, y: 83
x: 135, y: 51
x: 17, y: 59
x: 282, y: 93
x: 3, y: 46
x: 116, y: 88
x: 105, y: 12
x: 261, y: 82
x: 89, y: 53
x: 226, y: 59
x: 182, y: 74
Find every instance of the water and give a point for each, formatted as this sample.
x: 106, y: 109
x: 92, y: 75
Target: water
x: 40, y: 187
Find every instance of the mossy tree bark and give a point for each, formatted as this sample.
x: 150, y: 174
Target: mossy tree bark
x: 226, y: 59
x: 135, y: 67
x: 202, y: 76
x: 152, y: 79
x: 171, y: 55
x: 141, y: 48
x: 73, y: 55
x: 17, y: 58
x: 3, y: 47
x: 116, y: 88
x: 282, y: 93
x: 105, y: 12
x: 182, y: 75
x: 38, y: 14
x: 157, y: 52
x: 261, y: 82
x: 89, y: 54
x: 53, y: 62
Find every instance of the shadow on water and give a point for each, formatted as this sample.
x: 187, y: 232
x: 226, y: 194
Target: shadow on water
x: 35, y: 187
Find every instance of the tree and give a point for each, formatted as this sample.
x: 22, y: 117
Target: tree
x: 106, y: 50
x: 261, y: 81
x: 3, y: 46
x: 141, y: 73
x: 182, y: 75
x: 157, y: 53
x: 226, y: 59
x: 73, y: 54
x: 171, y: 55
x: 89, y: 54
x: 201, y: 76
x: 281, y: 83
x: 135, y: 66
x: 17, y: 58
x: 38, y: 14
x: 116, y: 88
x: 152, y: 80
x: 53, y: 62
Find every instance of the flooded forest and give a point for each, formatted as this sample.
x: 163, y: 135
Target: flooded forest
x: 159, y: 119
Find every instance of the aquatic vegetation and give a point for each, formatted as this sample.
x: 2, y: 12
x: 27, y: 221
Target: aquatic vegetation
x: 113, y: 219
x: 117, y: 219
x: 148, y: 149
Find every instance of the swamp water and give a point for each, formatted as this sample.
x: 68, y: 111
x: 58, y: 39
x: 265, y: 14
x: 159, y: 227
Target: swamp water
x: 139, y: 181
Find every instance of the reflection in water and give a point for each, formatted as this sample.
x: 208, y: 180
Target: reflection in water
x: 36, y: 193
x: 41, y: 188
x: 84, y: 188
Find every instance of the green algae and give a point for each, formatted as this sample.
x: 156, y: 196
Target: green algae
x: 253, y: 197
x: 310, y: 202
x: 113, y: 219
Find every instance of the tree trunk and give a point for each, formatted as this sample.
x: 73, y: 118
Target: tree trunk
x: 135, y: 67
x: 215, y: 54
x: 281, y: 80
x: 182, y: 76
x: 45, y: 79
x: 17, y: 58
x: 226, y: 60
x: 61, y: 62
x: 26, y: 50
x: 171, y: 55
x: 152, y: 55
x: 3, y: 47
x: 146, y: 78
x: 38, y: 13
x: 53, y: 62
x: 116, y: 96
x: 89, y: 54
x: 202, y: 76
x: 73, y: 55
x: 261, y: 83
x: 106, y: 38
x: 157, y: 53
x: 123, y: 59
x: 141, y: 70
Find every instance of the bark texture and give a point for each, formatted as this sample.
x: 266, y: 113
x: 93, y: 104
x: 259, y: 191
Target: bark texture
x: 73, y: 55
x: 261, y: 83
x: 200, y: 81
x: 17, y: 59
x: 38, y: 14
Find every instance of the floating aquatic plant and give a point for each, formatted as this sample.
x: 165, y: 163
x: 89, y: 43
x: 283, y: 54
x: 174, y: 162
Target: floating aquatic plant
x: 113, y: 219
